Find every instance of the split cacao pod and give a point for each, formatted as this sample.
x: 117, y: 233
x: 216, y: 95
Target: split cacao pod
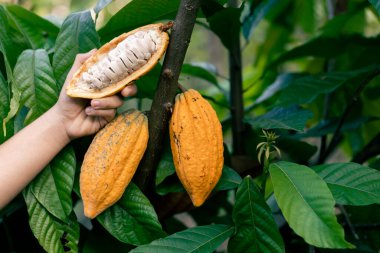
x: 111, y: 161
x: 196, y: 141
x: 119, y: 62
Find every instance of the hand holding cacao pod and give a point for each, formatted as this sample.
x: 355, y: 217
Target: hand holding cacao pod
x: 119, y: 62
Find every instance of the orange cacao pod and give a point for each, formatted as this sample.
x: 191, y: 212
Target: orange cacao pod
x: 119, y: 62
x: 111, y: 161
x: 196, y: 141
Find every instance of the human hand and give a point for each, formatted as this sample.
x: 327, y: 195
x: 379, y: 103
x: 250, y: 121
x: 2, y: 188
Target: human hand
x: 82, y: 117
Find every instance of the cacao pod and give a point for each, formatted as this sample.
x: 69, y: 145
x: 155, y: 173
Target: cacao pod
x: 196, y: 141
x: 119, y: 62
x: 111, y: 161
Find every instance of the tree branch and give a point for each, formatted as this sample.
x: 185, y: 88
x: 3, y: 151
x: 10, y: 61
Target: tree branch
x: 166, y: 90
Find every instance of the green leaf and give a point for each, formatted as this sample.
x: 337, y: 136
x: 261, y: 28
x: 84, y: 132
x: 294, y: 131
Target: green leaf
x: 227, y: 29
x: 34, y: 79
x: 77, y: 35
x: 137, y: 13
x: 282, y: 81
x: 307, y: 204
x: 52, y: 234
x: 229, y: 179
x: 132, y: 219
x: 351, y: 183
x: 298, y: 151
x: 376, y: 5
x: 202, y: 239
x: 293, y: 118
x: 256, y: 15
x: 165, y: 168
x: 329, y: 126
x: 199, y: 72
x: 101, y: 4
x: 53, y: 186
x: 331, y: 47
x: 307, y: 89
x: 35, y: 29
x: 255, y: 228
x: 12, y: 42
x: 4, y: 106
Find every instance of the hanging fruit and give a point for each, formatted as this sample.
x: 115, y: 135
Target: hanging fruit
x: 196, y: 141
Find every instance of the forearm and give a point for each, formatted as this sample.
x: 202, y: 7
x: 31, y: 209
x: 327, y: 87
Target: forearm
x: 24, y: 155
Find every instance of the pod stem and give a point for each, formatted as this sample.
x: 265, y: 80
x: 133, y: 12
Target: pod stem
x: 168, y: 26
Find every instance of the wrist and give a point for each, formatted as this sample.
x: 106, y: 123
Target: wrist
x: 55, y: 116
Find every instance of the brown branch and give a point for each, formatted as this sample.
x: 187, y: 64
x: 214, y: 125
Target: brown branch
x: 166, y: 90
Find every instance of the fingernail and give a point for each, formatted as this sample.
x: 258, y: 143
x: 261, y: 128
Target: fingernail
x: 89, y: 110
x: 95, y: 103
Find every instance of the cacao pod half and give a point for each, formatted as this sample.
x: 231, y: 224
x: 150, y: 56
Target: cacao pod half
x: 196, y: 140
x: 119, y: 62
x: 111, y: 161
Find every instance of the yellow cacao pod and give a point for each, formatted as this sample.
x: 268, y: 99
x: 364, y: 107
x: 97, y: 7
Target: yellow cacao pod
x: 196, y: 141
x: 111, y: 161
x: 119, y: 62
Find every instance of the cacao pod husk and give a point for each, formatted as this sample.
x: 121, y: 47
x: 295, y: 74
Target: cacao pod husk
x: 111, y: 161
x: 119, y: 62
x: 196, y: 141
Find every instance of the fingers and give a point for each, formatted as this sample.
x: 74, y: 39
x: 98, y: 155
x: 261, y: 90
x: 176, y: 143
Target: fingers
x: 129, y: 90
x: 107, y: 103
x: 106, y: 114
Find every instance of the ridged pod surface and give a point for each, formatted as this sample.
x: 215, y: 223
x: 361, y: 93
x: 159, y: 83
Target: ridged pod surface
x: 119, y: 62
x: 111, y: 161
x: 196, y: 141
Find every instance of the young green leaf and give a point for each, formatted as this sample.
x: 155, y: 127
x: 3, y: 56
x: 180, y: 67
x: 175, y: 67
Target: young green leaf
x: 256, y: 230
x: 202, y: 239
x: 77, y: 35
x: 53, y: 186
x: 307, y: 204
x: 52, y: 234
x: 34, y: 79
x: 293, y: 118
x: 132, y: 219
x: 351, y: 183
